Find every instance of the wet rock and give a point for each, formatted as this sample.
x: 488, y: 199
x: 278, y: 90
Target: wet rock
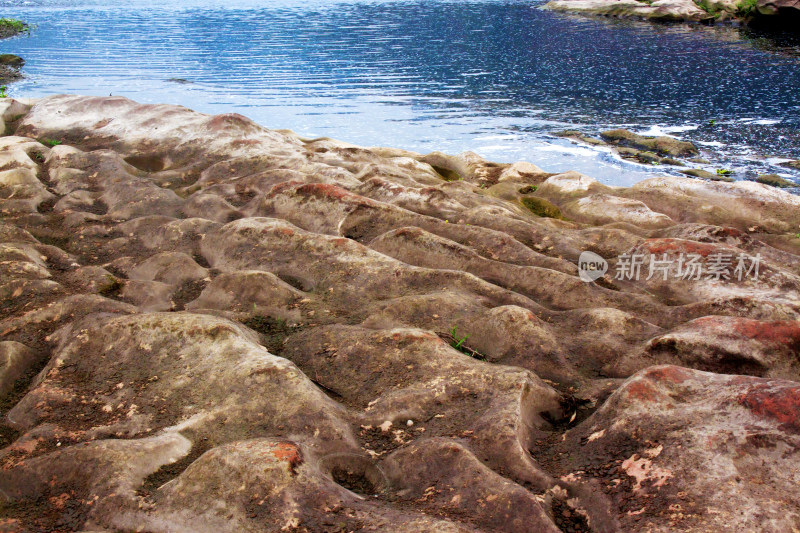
x: 11, y: 60
x: 661, y: 145
x: 775, y: 181
x: 579, y: 136
x: 705, y: 174
x: 646, y: 157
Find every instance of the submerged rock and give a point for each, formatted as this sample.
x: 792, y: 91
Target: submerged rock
x: 315, y: 336
x: 661, y: 145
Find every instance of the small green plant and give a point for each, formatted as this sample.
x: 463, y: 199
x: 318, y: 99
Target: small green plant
x: 3, y: 91
x: 706, y: 6
x: 457, y: 343
x: 712, y: 122
x: 745, y: 8
x: 724, y: 172
x: 50, y: 142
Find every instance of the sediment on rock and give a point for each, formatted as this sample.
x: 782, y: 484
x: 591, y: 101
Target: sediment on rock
x: 324, y: 337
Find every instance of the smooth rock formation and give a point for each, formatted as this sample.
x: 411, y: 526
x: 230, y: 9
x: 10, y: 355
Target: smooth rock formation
x: 210, y: 326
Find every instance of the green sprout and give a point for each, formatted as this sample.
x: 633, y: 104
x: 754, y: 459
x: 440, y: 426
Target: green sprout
x: 457, y: 343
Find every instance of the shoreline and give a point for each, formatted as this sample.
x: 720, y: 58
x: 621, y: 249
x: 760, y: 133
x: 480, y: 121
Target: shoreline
x: 314, y: 334
x: 760, y: 14
x: 676, y: 155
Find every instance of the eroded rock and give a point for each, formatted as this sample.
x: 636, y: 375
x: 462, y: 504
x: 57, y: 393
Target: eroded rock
x: 316, y: 336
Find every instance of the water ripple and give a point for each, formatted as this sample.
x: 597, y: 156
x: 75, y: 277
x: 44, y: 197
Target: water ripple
x: 426, y: 75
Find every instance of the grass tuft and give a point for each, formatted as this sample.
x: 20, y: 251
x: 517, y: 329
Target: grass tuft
x: 459, y: 344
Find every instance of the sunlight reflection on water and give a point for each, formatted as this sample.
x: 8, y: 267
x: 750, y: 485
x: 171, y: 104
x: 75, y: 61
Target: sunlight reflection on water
x: 495, y: 77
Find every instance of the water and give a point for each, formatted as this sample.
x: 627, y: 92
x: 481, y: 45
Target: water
x: 494, y: 77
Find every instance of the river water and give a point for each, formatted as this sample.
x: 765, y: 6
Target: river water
x: 494, y: 77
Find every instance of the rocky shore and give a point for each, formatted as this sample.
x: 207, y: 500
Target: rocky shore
x: 10, y: 64
x: 671, y: 152
x: 769, y: 13
x: 210, y: 326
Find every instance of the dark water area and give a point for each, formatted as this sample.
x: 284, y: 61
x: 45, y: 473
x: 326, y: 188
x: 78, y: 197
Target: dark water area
x: 494, y: 77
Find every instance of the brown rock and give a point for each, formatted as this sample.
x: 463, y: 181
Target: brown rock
x: 378, y: 339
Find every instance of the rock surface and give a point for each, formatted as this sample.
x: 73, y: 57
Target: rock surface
x: 783, y: 13
x: 206, y: 325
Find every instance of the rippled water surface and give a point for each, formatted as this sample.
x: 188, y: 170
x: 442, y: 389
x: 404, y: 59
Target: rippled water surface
x: 495, y: 77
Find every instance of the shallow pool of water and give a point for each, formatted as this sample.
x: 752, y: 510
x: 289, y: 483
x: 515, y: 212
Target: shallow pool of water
x: 494, y: 77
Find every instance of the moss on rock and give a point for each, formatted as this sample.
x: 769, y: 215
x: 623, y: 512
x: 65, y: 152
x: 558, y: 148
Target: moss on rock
x: 775, y: 181
x: 542, y: 208
x: 10, y: 27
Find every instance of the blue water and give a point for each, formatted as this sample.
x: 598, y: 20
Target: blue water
x: 494, y: 77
